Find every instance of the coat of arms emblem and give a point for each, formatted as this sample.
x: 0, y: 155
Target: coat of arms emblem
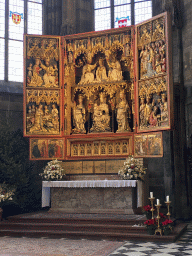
x: 16, y: 17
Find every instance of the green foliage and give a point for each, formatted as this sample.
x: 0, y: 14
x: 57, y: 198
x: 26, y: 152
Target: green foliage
x: 17, y: 170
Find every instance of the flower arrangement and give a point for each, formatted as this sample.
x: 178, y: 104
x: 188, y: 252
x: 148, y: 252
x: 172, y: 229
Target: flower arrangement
x: 132, y: 169
x: 53, y: 171
x: 147, y: 211
x: 6, y: 193
x: 167, y: 226
x: 151, y: 225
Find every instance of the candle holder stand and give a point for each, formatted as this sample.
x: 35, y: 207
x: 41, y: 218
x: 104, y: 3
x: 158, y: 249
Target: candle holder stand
x: 158, y: 230
x: 168, y: 212
x: 152, y: 208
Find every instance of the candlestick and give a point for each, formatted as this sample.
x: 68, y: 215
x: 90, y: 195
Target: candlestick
x: 168, y: 213
x: 158, y: 230
x: 151, y: 198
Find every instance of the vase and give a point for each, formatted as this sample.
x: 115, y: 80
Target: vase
x: 150, y: 230
x: 167, y: 231
x: 148, y: 215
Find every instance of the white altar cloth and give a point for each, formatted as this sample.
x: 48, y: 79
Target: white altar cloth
x: 46, y: 185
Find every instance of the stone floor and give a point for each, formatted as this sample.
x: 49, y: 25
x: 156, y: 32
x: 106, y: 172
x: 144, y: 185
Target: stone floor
x: 10, y: 246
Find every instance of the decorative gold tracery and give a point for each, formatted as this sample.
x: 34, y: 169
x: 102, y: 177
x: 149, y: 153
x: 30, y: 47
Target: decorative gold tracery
x: 109, y: 88
x: 42, y: 48
x: 159, y: 33
x: 47, y: 96
x: 152, y: 86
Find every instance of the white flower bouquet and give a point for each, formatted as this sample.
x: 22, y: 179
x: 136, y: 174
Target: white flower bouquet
x: 53, y: 171
x: 132, y: 169
x: 6, y: 193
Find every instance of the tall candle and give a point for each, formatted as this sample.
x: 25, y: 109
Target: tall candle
x: 167, y: 198
x: 158, y: 201
x: 151, y: 194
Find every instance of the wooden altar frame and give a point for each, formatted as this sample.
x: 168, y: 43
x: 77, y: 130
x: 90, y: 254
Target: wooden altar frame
x: 65, y: 97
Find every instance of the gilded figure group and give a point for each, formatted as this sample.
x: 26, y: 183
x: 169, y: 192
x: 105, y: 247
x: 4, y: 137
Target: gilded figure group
x: 153, y: 59
x: 101, y: 114
x: 43, y: 119
x: 44, y: 73
x: 153, y: 112
x: 98, y: 73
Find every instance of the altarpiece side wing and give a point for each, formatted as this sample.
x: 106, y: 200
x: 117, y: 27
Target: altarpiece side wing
x: 42, y: 86
x: 154, y: 79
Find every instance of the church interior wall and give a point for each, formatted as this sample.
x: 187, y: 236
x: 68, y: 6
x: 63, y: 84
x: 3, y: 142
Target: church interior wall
x: 161, y: 170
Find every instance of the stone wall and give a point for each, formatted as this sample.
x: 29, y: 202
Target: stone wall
x: 11, y: 109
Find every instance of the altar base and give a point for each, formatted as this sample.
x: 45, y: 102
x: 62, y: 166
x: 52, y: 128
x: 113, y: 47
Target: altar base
x: 93, y: 196
x: 94, y: 200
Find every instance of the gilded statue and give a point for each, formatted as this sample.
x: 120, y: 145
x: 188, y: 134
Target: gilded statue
x: 148, y: 110
x: 36, y: 79
x: 164, y: 109
x: 154, y: 117
x: 115, y: 72
x: 87, y: 74
x: 79, y: 116
x: 123, y: 113
x: 49, y: 76
x: 142, y: 112
x: 101, y: 118
x: 150, y: 61
x: 55, y: 118
x: 143, y: 57
x: 38, y: 121
x: 101, y: 74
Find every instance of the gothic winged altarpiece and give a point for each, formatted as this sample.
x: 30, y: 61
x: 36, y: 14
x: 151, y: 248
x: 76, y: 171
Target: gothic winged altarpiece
x: 88, y: 96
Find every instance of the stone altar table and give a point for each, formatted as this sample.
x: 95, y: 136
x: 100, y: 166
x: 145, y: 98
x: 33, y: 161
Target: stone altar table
x: 93, y: 196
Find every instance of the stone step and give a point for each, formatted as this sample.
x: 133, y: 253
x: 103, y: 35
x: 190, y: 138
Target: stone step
x: 97, y: 234
x: 71, y: 227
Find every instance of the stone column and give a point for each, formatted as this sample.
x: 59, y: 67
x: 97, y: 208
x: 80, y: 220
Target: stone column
x: 66, y: 17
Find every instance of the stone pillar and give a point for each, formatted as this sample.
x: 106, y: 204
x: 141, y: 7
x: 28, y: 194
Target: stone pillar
x: 52, y: 17
x: 66, y: 17
x: 181, y: 181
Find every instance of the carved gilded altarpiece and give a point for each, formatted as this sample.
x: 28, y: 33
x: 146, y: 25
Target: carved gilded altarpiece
x: 97, y: 90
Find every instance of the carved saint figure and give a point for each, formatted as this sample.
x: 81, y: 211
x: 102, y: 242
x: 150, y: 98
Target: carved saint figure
x: 36, y: 79
x: 150, y: 62
x: 101, y: 74
x: 79, y: 116
x: 148, y: 110
x: 123, y: 112
x: 115, y: 72
x: 38, y: 123
x: 87, y: 74
x: 142, y: 112
x: 101, y: 118
x: 55, y: 117
x: 153, y: 119
x: 49, y: 76
x: 143, y: 57
x: 164, y: 109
